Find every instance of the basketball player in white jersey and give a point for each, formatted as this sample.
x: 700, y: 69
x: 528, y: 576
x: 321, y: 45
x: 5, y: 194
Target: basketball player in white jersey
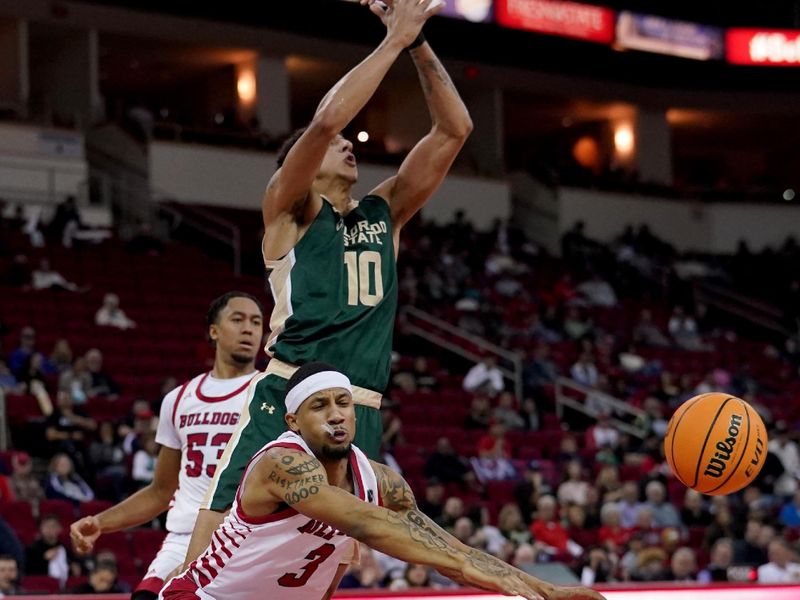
x: 196, y: 421
x: 306, y: 496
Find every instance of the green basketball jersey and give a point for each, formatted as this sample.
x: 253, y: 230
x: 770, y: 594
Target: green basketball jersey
x: 336, y: 294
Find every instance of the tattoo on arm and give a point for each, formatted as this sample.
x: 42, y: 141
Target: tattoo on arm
x: 431, y: 70
x: 395, y: 492
x: 296, y: 477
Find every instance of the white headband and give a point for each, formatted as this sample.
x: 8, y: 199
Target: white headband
x: 324, y: 380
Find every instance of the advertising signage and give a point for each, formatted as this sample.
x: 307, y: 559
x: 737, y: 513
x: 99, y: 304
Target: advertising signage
x: 763, y: 47
x: 557, y: 17
x: 650, y: 33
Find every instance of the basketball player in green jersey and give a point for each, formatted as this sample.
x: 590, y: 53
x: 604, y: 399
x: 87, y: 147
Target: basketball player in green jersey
x: 331, y: 258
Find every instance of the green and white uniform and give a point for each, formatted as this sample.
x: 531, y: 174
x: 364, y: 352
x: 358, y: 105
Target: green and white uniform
x: 335, y: 302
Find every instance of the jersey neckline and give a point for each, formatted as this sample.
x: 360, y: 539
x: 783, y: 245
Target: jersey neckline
x: 204, y: 398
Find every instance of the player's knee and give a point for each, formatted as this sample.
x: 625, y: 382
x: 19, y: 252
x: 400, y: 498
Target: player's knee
x: 144, y: 595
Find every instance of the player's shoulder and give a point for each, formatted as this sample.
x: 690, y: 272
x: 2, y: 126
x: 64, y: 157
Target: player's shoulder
x: 179, y: 391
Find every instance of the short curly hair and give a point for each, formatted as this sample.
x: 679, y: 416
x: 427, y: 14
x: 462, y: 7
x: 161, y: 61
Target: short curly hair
x: 288, y: 144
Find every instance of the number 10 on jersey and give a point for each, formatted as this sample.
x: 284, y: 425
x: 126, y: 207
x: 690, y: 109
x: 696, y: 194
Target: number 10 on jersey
x: 363, y: 269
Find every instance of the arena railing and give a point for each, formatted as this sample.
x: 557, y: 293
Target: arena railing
x: 591, y: 403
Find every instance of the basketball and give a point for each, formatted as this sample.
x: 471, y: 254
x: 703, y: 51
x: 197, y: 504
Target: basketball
x: 716, y: 444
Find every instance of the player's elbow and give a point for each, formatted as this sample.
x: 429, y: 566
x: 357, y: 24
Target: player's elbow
x: 325, y: 124
x: 465, y: 127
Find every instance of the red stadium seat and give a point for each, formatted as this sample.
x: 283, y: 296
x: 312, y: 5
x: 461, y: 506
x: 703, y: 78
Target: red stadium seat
x: 40, y: 584
x: 63, y: 509
x: 92, y: 507
x: 75, y: 581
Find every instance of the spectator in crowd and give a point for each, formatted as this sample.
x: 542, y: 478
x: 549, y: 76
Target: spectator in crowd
x: 111, y: 315
x: 10, y: 544
x: 683, y: 329
x: 664, y: 513
x: 602, y: 434
x: 608, y: 484
x: 547, y: 529
x: 45, y: 278
x: 721, y: 527
x: 506, y: 413
x: 611, y: 535
x: 47, y: 555
x: 392, y: 425
x: 629, y: 506
x: 102, y: 580
x: 67, y: 428
x: 783, y: 447
x: 530, y: 415
x: 494, y: 445
x: 596, y: 291
x: 782, y: 567
x: 647, y: 333
x: 683, y: 565
x: 445, y: 465
x: 8, y: 381
x: 432, y: 503
x: 61, y: 357
x: 790, y: 512
x: 423, y: 378
x: 23, y: 484
x: 367, y: 573
x: 577, y: 326
x: 102, y: 383
x: 655, y: 423
x: 144, y: 461
x: 511, y: 525
x: 63, y: 483
x: 6, y: 493
x: 486, y: 536
x: 574, y: 489
x: 485, y: 377
x: 76, y: 381
x: 66, y: 221
x: 650, y: 565
x: 9, y: 576
x: 479, y: 413
x: 107, y: 459
x: 720, y: 560
x: 750, y: 550
x: 694, y: 512
x: 539, y: 371
x: 27, y: 346
x: 416, y: 576
x: 584, y: 371
x: 597, y: 566
x: 452, y: 511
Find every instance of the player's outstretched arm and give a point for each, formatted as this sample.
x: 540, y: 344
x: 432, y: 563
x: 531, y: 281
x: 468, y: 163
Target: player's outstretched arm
x: 288, y: 190
x: 300, y: 481
x: 396, y: 495
x: 143, y: 506
x: 426, y: 166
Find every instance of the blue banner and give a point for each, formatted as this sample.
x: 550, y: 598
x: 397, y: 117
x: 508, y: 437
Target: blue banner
x: 651, y: 33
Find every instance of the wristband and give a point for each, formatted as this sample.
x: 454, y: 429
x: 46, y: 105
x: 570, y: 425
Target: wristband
x: 417, y: 42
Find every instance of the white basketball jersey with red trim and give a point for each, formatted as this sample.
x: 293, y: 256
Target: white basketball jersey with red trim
x: 199, y: 418
x: 286, y: 555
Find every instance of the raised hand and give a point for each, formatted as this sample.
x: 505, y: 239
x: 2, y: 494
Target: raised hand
x: 404, y: 18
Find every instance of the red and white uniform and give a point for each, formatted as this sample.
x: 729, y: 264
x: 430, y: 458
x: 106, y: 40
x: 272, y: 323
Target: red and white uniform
x: 197, y: 418
x: 285, y: 555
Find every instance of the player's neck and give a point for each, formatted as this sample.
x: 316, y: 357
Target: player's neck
x: 337, y: 191
x: 338, y: 473
x: 230, y: 369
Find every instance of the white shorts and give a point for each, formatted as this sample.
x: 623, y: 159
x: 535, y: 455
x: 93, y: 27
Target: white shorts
x: 170, y: 556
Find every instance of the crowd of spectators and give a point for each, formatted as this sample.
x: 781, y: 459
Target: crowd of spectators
x: 596, y: 498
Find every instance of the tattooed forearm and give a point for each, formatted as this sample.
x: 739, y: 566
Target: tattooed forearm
x: 417, y: 526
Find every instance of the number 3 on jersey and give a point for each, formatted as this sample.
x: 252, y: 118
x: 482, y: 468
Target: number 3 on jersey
x: 364, y: 282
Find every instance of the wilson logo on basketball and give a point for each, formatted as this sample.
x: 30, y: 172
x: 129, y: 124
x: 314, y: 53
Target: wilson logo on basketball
x: 719, y: 462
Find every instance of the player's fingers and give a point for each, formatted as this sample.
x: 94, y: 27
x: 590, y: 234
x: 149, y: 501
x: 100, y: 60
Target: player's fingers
x: 433, y: 7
